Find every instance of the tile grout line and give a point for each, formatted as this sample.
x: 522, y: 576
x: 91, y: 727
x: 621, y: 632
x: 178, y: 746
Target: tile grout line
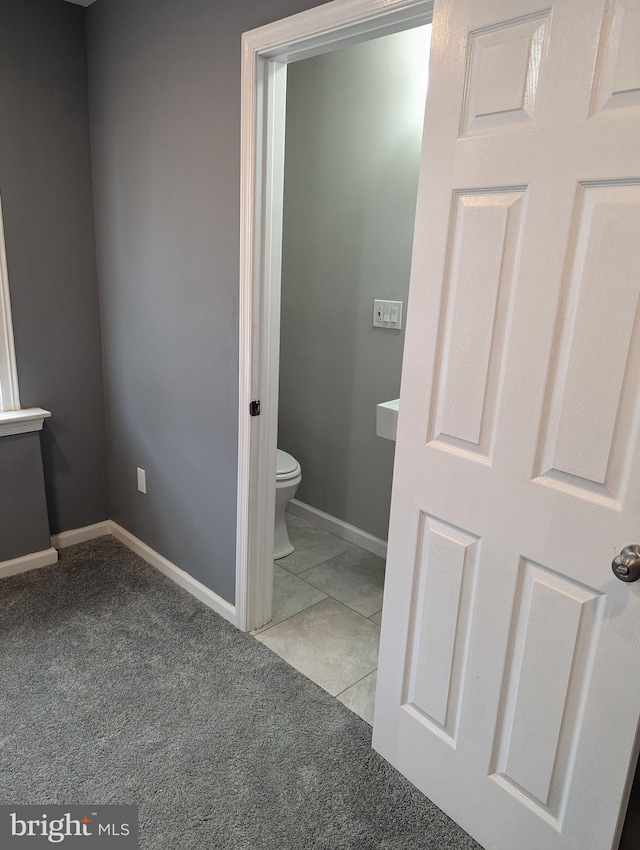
x: 300, y: 575
x: 313, y: 604
x: 301, y: 611
x: 328, y: 595
x: 353, y: 684
x: 328, y: 560
x: 319, y: 564
x: 335, y: 599
x: 307, y: 524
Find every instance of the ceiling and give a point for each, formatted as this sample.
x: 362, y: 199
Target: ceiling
x: 82, y: 2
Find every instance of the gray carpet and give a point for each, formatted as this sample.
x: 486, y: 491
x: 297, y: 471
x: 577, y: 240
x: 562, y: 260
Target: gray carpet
x: 119, y: 687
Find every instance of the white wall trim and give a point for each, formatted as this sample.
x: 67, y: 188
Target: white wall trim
x: 160, y: 563
x: 81, y: 535
x: 9, y: 395
x: 341, y: 529
x: 34, y: 561
x: 265, y: 53
x: 153, y: 558
x: 22, y: 421
x: 12, y: 419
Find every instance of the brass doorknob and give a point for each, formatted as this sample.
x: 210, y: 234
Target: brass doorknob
x: 626, y: 565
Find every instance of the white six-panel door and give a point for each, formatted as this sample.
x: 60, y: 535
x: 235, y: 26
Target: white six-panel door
x: 509, y: 680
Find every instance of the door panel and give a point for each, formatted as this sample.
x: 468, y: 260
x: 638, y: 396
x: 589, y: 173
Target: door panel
x: 546, y: 679
x: 509, y: 679
x: 502, y: 84
x: 448, y: 563
x: 595, y: 373
x: 485, y: 229
x: 619, y: 61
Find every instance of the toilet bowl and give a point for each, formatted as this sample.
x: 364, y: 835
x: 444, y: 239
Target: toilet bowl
x: 288, y: 478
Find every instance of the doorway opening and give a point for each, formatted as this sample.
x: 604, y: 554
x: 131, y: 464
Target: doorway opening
x: 354, y: 121
x: 266, y: 54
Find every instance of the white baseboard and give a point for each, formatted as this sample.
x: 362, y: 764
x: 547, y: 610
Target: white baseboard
x: 28, y: 562
x: 190, y: 584
x: 338, y: 527
x: 81, y: 535
x: 160, y: 563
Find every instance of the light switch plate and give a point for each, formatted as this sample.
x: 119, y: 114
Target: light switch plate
x: 387, y: 314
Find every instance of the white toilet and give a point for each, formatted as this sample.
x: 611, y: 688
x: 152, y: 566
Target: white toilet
x: 288, y: 478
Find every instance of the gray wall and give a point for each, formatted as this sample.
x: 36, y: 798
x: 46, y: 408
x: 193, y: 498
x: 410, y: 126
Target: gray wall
x: 354, y: 129
x: 23, y: 517
x: 164, y: 81
x: 45, y: 182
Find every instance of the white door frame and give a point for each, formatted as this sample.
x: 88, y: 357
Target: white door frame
x: 265, y: 54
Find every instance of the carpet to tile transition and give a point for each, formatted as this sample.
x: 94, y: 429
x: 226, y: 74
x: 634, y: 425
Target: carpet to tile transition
x: 119, y: 687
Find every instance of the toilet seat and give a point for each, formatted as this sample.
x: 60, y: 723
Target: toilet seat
x: 287, y: 467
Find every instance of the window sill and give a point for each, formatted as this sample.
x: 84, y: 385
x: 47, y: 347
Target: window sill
x: 22, y: 421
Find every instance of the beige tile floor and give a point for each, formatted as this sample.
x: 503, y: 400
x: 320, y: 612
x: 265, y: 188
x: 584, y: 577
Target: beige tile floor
x: 327, y: 601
